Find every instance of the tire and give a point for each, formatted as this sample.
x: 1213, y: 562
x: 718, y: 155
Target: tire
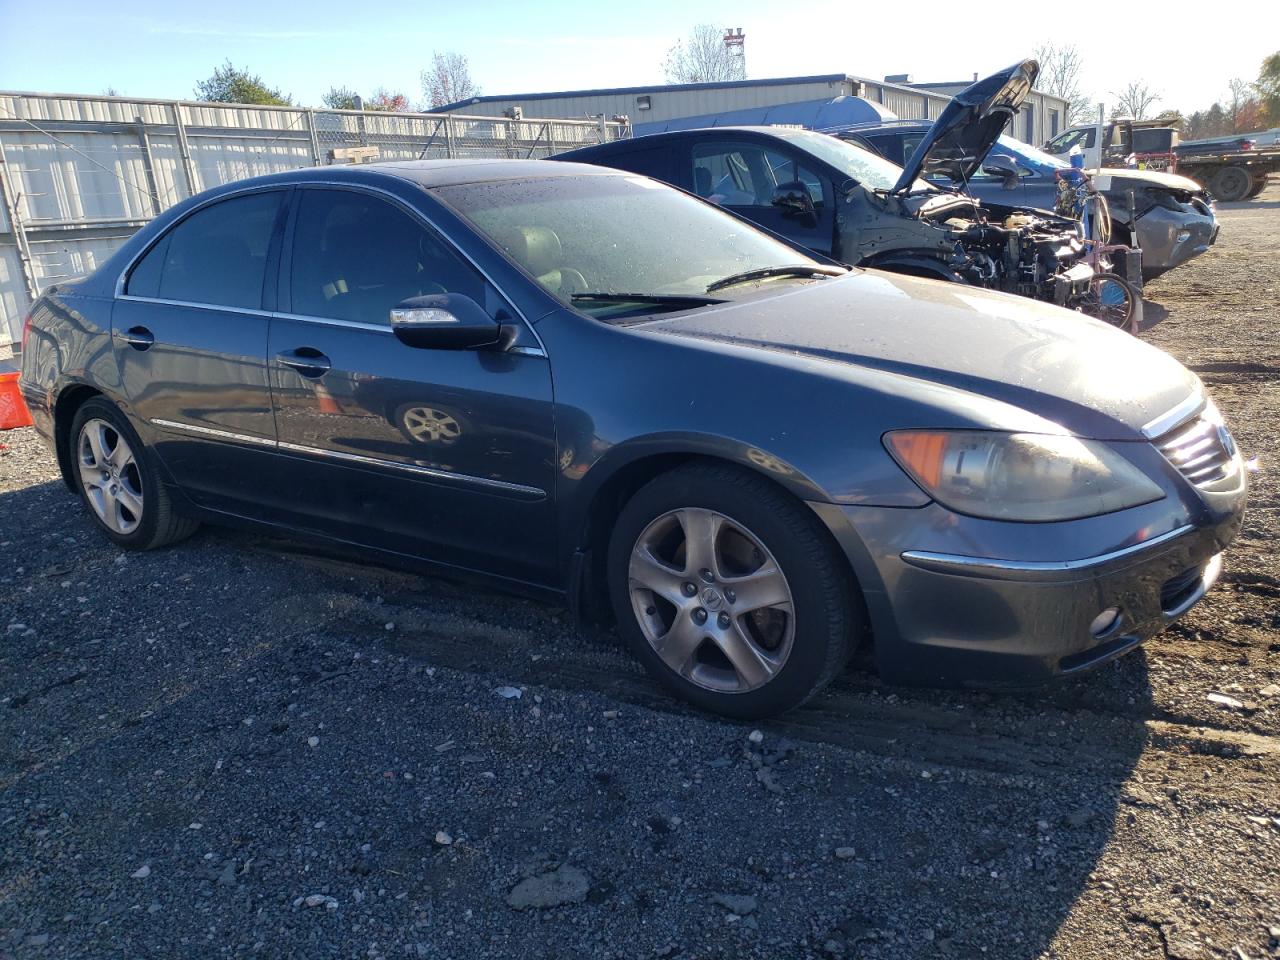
x: 118, y: 482
x: 733, y: 662
x: 1259, y: 184
x: 1231, y: 183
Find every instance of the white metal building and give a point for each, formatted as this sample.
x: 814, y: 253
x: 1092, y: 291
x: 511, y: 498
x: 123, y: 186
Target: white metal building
x: 674, y: 101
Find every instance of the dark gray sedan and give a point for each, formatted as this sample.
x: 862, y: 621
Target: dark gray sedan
x: 603, y: 391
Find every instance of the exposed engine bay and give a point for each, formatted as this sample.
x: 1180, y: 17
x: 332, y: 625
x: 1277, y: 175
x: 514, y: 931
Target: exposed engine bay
x: 950, y: 236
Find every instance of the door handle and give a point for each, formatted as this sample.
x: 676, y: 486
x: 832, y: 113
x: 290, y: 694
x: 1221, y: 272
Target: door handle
x: 140, y: 338
x: 308, y: 361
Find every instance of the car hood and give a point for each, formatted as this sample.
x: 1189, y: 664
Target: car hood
x: 1060, y: 366
x: 1123, y: 178
x: 969, y: 125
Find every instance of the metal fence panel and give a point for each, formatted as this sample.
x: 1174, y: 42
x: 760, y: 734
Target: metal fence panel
x: 83, y: 173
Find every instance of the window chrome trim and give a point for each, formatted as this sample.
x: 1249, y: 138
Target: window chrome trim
x: 1030, y: 569
x: 517, y: 489
x: 333, y: 185
x: 1167, y: 421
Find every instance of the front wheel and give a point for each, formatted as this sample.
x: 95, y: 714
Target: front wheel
x: 729, y: 591
x: 1113, y: 300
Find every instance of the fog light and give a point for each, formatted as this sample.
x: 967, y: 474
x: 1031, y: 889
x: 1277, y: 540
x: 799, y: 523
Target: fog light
x: 1183, y: 234
x: 1105, y: 622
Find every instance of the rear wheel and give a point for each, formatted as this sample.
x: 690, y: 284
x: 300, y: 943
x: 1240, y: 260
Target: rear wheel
x: 729, y: 592
x: 118, y: 483
x: 1259, y: 184
x: 1231, y: 183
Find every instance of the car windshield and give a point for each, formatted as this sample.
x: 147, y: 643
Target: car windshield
x: 593, y: 239
x: 1027, y: 156
x: 870, y: 170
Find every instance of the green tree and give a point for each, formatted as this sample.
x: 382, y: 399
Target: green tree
x: 230, y: 84
x: 1269, y: 89
x: 340, y: 98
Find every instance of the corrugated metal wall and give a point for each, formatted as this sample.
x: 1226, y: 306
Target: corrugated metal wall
x: 666, y: 103
x: 84, y: 173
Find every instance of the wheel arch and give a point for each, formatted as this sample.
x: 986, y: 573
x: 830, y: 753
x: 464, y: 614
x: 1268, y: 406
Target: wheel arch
x: 618, y: 480
x: 914, y: 266
x: 70, y: 399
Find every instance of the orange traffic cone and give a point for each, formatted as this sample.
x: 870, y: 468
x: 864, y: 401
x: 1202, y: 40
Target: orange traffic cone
x: 13, y: 411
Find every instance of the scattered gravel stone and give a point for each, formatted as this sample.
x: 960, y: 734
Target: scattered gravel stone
x: 142, y: 872
x: 313, y: 742
x: 755, y: 736
x: 740, y: 904
x: 845, y: 853
x: 1226, y: 702
x: 509, y: 693
x: 564, y: 885
x: 443, y: 839
x: 319, y: 900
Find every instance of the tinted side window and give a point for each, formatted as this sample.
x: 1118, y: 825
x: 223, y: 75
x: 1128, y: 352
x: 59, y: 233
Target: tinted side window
x: 744, y: 175
x: 218, y: 255
x: 356, y: 256
x: 891, y: 147
x: 651, y: 163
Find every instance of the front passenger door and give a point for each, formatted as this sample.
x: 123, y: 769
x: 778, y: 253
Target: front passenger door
x: 742, y: 176
x: 444, y: 454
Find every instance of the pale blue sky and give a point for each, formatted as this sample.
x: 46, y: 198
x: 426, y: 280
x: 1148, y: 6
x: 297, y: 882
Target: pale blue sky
x: 162, y: 49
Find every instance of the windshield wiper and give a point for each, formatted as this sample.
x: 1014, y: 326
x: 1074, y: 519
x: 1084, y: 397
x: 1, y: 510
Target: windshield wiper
x: 675, y: 299
x: 762, y: 273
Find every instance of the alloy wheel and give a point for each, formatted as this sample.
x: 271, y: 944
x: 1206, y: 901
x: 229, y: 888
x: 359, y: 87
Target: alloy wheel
x: 711, y: 600
x: 110, y: 476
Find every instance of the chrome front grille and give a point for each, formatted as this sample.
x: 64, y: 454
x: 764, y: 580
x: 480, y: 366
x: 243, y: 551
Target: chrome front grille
x: 1201, y: 449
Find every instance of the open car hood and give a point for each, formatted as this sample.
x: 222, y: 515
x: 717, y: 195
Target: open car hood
x: 968, y: 126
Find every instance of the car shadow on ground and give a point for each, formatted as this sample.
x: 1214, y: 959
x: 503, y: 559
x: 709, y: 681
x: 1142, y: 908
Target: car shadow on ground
x: 875, y: 821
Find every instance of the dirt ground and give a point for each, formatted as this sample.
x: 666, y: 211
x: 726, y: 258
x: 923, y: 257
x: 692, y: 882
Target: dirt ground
x: 238, y: 747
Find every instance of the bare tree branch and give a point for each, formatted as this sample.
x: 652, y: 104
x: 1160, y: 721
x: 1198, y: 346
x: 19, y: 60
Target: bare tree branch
x: 702, y: 57
x: 1060, y: 72
x: 1134, y: 100
x: 448, y: 80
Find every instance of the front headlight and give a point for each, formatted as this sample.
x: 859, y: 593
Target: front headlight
x: 1020, y: 476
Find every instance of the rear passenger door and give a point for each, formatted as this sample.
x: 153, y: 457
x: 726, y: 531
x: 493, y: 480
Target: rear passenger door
x: 444, y: 454
x: 189, y: 334
x: 741, y: 175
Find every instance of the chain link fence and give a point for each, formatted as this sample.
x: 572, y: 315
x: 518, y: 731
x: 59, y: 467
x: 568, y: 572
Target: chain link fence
x: 80, y: 174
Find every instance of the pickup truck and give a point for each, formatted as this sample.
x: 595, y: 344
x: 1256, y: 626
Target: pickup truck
x: 1231, y: 169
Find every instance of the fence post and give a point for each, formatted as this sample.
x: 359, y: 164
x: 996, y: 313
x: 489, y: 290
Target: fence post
x: 184, y: 150
x: 448, y: 138
x: 148, y: 167
x: 315, y: 140
x: 9, y: 197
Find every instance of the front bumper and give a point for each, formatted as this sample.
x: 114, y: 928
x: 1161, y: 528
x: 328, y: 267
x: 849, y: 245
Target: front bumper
x: 939, y: 618
x: 1169, y: 239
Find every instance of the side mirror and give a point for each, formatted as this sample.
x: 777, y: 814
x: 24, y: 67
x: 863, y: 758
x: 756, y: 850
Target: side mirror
x: 1004, y: 168
x: 793, y: 199
x: 444, y: 321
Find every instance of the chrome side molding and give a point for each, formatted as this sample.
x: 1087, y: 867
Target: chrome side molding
x: 518, y: 490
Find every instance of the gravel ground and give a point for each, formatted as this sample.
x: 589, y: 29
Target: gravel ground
x: 240, y: 746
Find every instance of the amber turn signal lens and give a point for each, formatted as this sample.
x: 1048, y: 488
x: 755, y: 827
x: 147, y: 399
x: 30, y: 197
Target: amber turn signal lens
x: 921, y: 452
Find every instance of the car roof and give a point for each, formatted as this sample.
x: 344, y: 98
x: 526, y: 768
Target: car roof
x: 428, y: 173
